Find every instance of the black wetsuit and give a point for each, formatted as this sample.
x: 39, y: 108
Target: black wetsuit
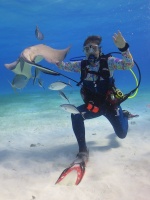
x: 114, y: 115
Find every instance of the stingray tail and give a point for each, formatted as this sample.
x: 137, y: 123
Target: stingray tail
x: 12, y: 86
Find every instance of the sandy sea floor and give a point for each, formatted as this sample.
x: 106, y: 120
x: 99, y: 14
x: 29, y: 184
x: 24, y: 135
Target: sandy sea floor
x: 37, y: 143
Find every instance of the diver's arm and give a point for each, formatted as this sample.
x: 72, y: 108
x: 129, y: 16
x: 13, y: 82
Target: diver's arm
x: 127, y: 61
x: 70, y: 66
x: 123, y: 64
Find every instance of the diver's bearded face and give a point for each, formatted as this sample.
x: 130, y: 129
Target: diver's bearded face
x: 92, y: 51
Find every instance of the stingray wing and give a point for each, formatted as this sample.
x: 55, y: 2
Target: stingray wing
x: 12, y: 66
x: 36, y: 53
x: 49, y: 54
x: 20, y: 67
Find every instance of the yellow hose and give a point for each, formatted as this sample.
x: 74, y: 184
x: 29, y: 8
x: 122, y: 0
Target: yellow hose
x: 136, y: 85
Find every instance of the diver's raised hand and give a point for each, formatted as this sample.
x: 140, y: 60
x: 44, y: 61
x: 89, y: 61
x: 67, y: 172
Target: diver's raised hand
x: 119, y: 40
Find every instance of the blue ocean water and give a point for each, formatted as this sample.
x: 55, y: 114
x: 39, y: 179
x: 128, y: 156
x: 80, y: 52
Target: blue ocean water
x: 32, y: 115
x: 65, y: 22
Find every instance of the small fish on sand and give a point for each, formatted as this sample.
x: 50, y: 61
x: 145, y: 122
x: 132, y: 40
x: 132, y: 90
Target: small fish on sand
x: 62, y: 94
x: 59, y: 85
x: 39, y: 34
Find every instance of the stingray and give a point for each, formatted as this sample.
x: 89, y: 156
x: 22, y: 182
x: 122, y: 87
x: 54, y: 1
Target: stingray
x: 20, y: 67
x: 31, y: 55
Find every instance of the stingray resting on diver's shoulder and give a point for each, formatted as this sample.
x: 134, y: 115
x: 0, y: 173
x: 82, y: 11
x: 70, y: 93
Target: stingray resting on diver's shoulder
x: 34, y: 54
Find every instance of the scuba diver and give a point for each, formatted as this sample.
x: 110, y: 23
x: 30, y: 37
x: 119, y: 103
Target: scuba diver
x: 98, y: 90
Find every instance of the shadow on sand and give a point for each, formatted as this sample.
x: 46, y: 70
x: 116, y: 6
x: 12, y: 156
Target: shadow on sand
x: 46, y: 154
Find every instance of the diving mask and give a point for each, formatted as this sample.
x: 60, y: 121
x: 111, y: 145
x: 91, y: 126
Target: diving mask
x: 90, y: 48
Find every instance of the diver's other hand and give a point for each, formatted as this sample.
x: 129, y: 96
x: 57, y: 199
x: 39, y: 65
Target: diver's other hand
x: 58, y: 63
x: 119, y: 40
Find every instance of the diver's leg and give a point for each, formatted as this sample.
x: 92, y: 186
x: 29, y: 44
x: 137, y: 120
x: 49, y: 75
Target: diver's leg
x: 119, y: 121
x: 78, y: 125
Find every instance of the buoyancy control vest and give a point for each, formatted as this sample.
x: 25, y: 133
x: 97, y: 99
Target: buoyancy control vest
x: 102, y: 72
x: 94, y: 100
